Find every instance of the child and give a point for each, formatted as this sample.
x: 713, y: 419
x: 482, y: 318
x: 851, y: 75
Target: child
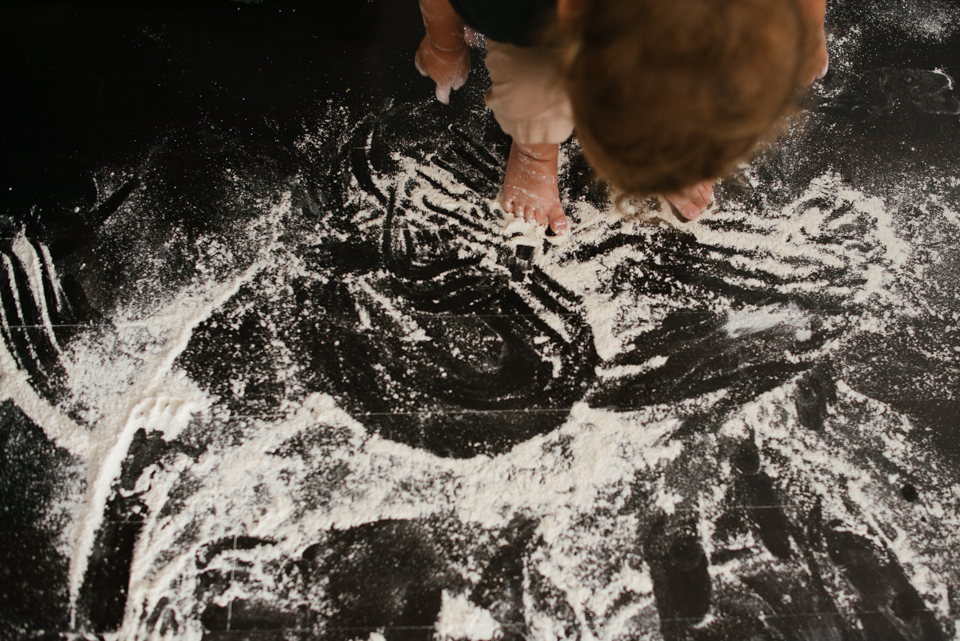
x: 666, y: 95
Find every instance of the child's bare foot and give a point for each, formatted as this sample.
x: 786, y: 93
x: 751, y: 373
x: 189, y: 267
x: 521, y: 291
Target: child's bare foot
x: 530, y: 186
x: 691, y: 202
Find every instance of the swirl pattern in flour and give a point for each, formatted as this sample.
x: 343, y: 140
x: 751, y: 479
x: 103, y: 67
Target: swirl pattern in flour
x: 367, y: 403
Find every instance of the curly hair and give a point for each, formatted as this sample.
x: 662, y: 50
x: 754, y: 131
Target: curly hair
x: 669, y: 93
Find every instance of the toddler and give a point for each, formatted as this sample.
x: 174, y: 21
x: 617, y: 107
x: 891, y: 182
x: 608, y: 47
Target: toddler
x: 666, y: 95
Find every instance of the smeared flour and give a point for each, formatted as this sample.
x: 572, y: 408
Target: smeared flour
x: 461, y: 619
x: 834, y: 261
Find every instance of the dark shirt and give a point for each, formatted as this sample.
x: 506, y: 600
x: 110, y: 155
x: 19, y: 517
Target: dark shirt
x: 513, y: 21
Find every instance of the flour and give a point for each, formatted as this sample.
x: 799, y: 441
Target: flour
x: 742, y: 323
x: 627, y: 370
x: 460, y: 619
x: 141, y: 404
x: 793, y: 286
x: 35, y: 268
x: 932, y: 20
x: 59, y: 428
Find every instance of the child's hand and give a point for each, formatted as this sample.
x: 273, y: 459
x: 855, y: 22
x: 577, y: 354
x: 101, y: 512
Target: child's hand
x: 447, y: 67
x: 814, y: 12
x: 821, y: 59
x: 820, y: 62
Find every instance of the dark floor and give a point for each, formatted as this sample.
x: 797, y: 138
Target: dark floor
x: 275, y: 365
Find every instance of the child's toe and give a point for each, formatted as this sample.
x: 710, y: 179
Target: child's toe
x: 557, y: 220
x: 700, y: 196
x: 690, y: 211
x: 706, y: 190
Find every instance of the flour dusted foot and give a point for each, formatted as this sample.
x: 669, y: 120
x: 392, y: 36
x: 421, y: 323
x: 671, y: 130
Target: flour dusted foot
x: 691, y: 202
x: 530, y: 186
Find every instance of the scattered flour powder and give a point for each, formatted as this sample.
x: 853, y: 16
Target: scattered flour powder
x: 593, y: 485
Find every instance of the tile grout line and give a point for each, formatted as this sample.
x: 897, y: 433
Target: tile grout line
x: 417, y: 316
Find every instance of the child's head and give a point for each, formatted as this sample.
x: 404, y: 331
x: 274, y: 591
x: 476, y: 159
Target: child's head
x: 668, y: 93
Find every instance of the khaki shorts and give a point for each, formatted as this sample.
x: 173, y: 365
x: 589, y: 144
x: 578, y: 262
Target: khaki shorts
x: 528, y: 98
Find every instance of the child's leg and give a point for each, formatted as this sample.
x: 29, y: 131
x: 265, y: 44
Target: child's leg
x: 530, y: 103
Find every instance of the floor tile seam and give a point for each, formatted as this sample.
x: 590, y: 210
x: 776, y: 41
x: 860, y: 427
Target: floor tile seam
x: 136, y: 324
x: 789, y: 508
x: 35, y: 326
x: 683, y: 511
x: 455, y: 412
x: 788, y: 617
x: 577, y: 315
x: 538, y: 410
x: 543, y: 410
x: 727, y: 507
x: 358, y: 416
x: 414, y: 315
x: 692, y: 620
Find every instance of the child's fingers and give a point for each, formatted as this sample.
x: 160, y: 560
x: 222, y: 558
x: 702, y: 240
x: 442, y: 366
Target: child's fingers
x: 826, y: 68
x: 450, y: 73
x: 473, y: 38
x: 416, y: 63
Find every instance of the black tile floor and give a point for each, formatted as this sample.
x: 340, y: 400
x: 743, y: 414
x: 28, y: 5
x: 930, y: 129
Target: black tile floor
x: 276, y: 366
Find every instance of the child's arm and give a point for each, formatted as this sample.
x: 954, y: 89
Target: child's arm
x: 814, y: 12
x: 443, y: 54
